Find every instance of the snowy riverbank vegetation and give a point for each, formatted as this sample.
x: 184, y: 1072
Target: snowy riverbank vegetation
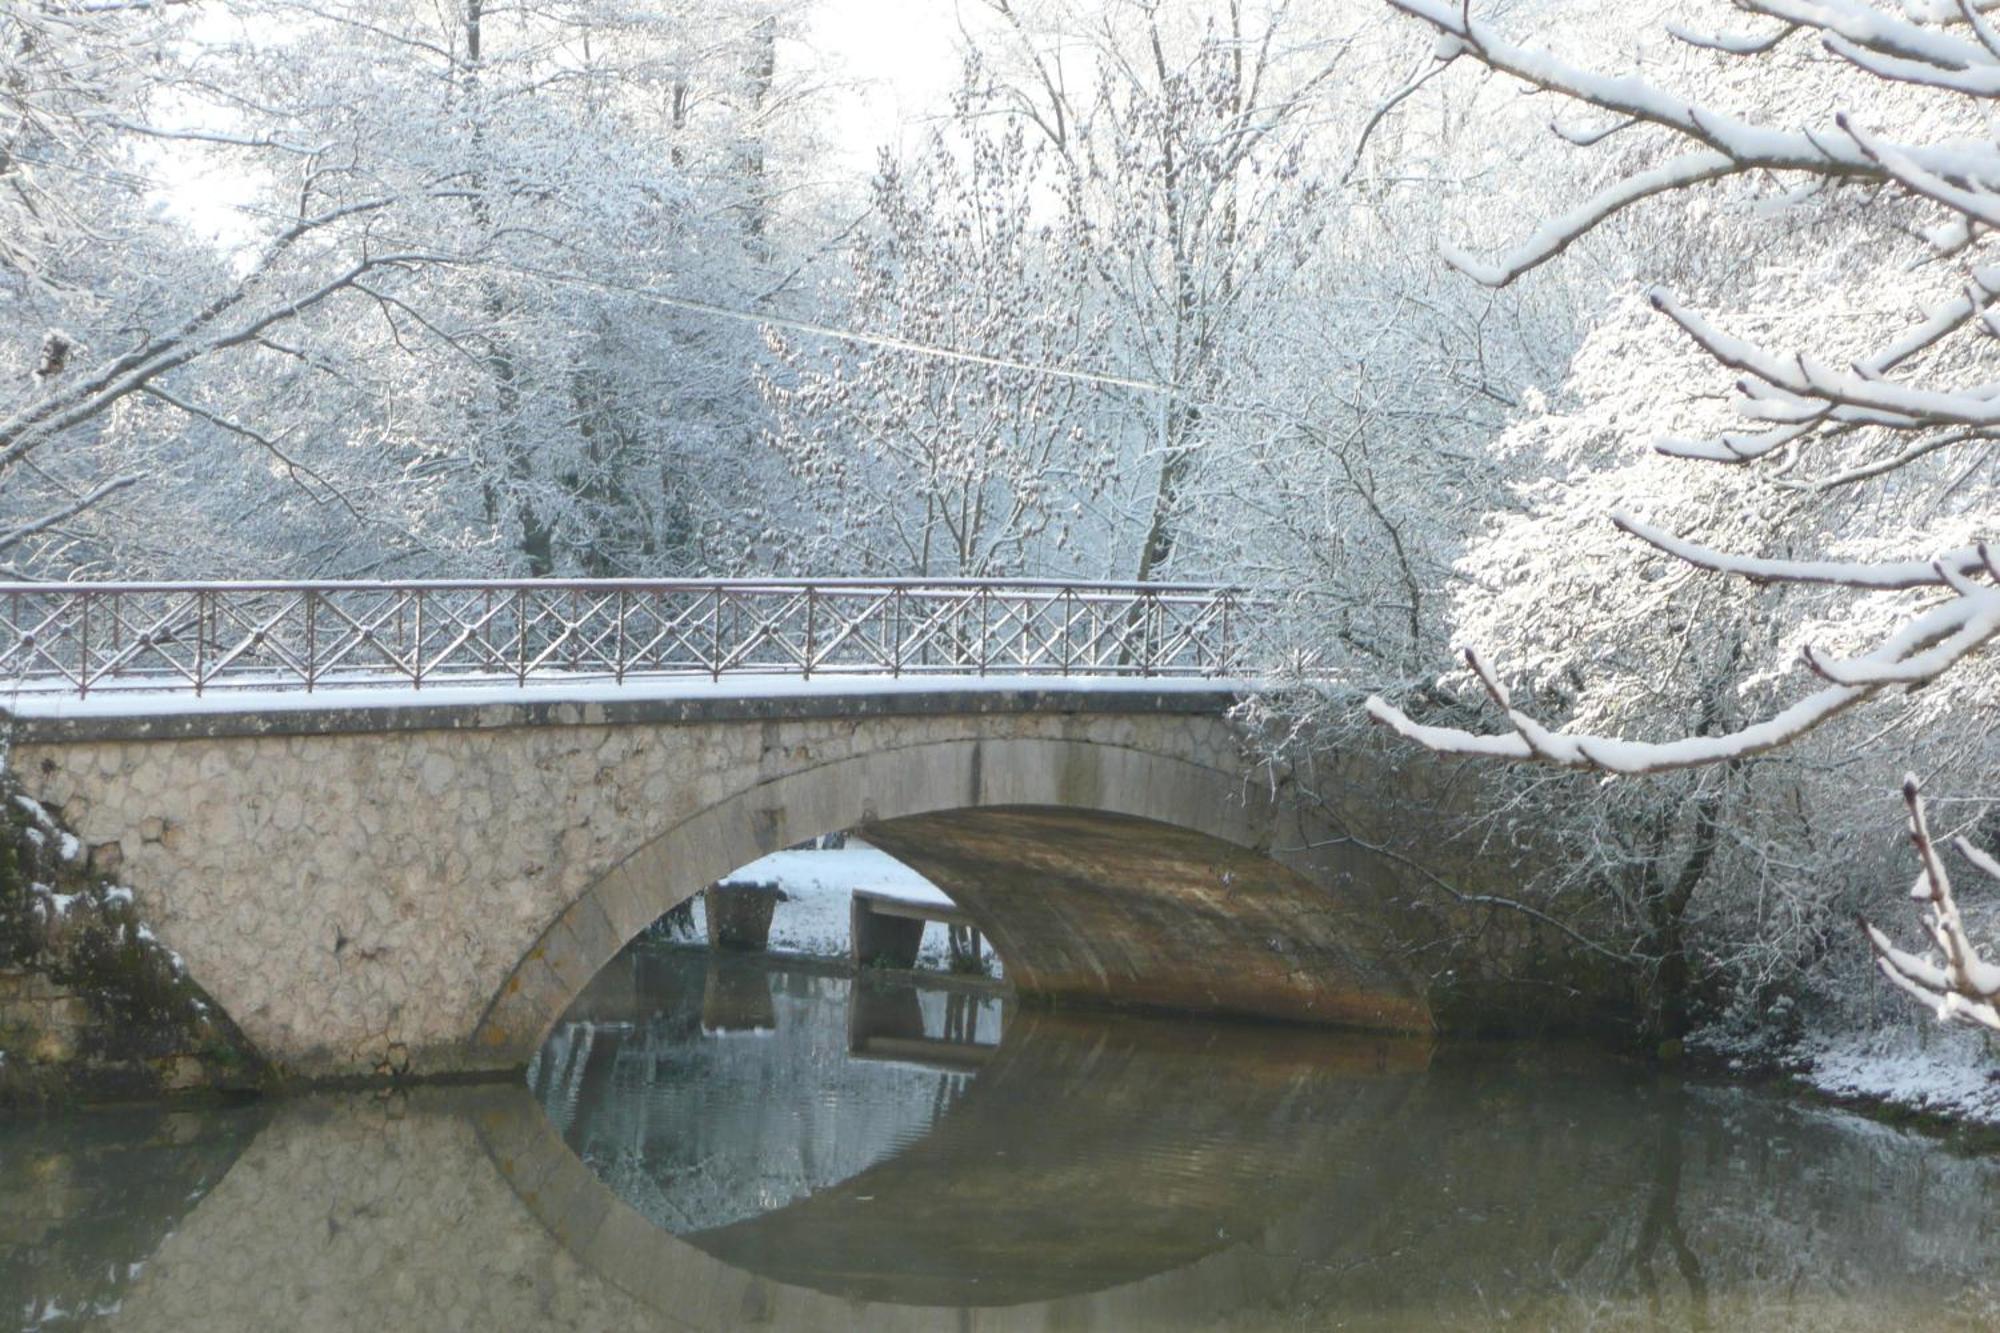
x: 1624, y: 373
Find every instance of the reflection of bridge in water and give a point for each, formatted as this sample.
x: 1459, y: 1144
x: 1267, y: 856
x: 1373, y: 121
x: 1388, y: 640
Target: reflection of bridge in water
x: 1490, y: 1191
x: 1090, y: 1170
x: 1083, y: 1158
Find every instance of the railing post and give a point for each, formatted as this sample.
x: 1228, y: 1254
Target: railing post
x: 200, y: 639
x: 715, y: 637
x: 1226, y: 650
x: 1068, y: 624
x: 521, y: 635
x: 896, y: 632
x: 811, y: 605
x: 83, y: 648
x: 1149, y: 608
x: 417, y: 643
x: 312, y: 638
x: 618, y: 662
x: 985, y: 615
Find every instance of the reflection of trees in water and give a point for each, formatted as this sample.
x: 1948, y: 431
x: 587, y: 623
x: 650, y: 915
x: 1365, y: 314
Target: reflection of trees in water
x: 1541, y: 1190
x: 85, y: 1199
x: 1089, y: 1153
x: 1662, y: 1222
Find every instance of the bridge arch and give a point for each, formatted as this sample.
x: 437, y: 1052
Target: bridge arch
x: 423, y: 888
x: 1104, y: 872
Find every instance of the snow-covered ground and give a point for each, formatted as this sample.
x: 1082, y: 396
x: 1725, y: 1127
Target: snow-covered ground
x: 1944, y: 1072
x: 819, y: 887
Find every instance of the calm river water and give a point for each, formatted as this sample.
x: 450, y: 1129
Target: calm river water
x: 751, y: 1143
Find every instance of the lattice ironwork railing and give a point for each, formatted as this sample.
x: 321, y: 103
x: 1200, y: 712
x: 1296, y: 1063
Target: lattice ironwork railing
x: 87, y: 638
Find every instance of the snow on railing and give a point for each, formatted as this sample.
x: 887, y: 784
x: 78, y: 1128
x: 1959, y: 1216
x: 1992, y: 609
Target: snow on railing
x: 85, y: 638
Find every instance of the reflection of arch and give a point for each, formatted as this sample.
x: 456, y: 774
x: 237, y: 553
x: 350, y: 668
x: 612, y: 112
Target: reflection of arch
x: 1094, y: 1175
x: 1102, y: 873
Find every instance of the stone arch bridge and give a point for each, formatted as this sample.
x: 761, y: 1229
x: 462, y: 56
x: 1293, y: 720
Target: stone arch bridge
x: 419, y: 875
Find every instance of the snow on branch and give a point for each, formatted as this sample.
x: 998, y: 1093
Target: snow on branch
x: 1983, y: 81
x: 1945, y: 570
x: 1961, y: 174
x: 1973, y: 307
x: 1964, y: 986
x: 1557, y: 235
x: 1870, y: 28
x: 1732, y: 43
x: 1876, y: 404
x: 1930, y: 643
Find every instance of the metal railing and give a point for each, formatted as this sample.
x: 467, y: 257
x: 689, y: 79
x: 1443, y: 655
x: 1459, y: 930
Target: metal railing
x: 88, y: 638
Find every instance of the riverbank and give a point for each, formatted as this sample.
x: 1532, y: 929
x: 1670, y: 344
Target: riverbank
x: 1917, y: 1074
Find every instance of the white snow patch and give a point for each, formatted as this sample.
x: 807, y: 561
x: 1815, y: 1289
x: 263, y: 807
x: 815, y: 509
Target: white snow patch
x: 839, y: 870
x: 118, y: 894
x: 819, y: 889
x: 59, y: 903
x: 279, y: 697
x: 68, y: 847
x: 1947, y: 1074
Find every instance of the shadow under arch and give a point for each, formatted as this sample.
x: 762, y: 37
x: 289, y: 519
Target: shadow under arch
x: 1123, y: 1173
x: 1104, y: 874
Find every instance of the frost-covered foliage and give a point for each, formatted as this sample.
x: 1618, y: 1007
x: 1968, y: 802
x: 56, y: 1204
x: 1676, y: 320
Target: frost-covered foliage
x: 979, y: 464
x: 1879, y: 473
x: 422, y: 332
x: 1683, y: 592
x: 1184, y: 160
x: 66, y: 921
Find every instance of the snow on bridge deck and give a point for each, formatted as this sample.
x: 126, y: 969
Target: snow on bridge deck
x: 31, y: 702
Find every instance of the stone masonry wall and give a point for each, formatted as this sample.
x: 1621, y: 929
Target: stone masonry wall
x: 354, y: 900
x: 40, y: 1020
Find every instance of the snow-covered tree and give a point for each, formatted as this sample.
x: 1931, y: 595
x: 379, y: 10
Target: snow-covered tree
x: 1929, y: 173
x: 1184, y: 140
x: 425, y: 335
x: 969, y: 464
x: 1835, y: 180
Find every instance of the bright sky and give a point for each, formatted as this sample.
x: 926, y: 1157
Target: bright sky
x: 893, y: 62
x: 900, y: 57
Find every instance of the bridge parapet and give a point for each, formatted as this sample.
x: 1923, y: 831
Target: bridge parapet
x: 84, y: 639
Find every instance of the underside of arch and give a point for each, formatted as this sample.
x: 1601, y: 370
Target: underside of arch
x: 1097, y: 908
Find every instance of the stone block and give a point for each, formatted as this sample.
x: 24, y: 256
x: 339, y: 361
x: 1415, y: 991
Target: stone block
x: 52, y: 1046
x: 739, y: 916
x: 883, y: 941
